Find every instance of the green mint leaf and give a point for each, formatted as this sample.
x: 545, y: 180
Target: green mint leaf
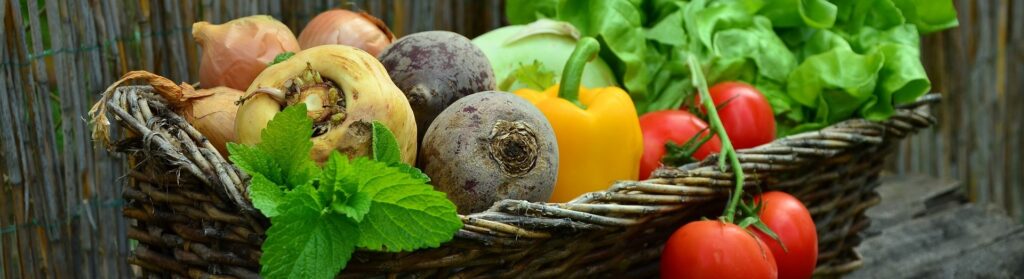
x: 534, y: 76
x: 337, y: 177
x: 406, y: 213
x: 286, y: 141
x: 265, y: 195
x: 385, y: 147
x: 281, y: 57
x: 408, y: 217
x: 375, y: 176
x: 253, y: 161
x: 339, y: 184
x: 412, y: 171
x: 355, y: 207
x: 304, y: 243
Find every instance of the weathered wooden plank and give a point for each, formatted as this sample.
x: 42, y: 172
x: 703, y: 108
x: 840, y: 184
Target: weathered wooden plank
x: 911, y: 196
x: 912, y: 247
x: 8, y: 166
x: 10, y: 261
x: 90, y: 243
x: 1000, y: 258
x: 175, y: 40
x: 62, y: 246
x: 188, y: 17
x: 52, y: 249
x: 12, y: 162
x: 979, y: 66
x: 109, y: 168
x: 24, y: 257
x: 1015, y: 116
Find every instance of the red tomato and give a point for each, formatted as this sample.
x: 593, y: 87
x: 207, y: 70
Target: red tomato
x: 791, y: 221
x: 718, y: 250
x: 676, y: 125
x: 746, y: 115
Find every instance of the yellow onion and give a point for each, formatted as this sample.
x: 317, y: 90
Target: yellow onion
x: 344, y: 27
x: 234, y: 53
x: 211, y: 111
x: 345, y: 90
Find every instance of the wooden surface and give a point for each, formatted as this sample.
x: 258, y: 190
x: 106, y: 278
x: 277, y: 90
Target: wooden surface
x: 925, y: 228
x: 979, y: 68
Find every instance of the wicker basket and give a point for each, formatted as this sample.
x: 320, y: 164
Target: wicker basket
x: 192, y: 219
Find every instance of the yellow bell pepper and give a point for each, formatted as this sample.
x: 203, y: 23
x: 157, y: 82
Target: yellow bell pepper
x: 598, y: 134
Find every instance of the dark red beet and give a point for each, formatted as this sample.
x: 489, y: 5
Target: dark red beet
x: 434, y: 69
x: 490, y: 146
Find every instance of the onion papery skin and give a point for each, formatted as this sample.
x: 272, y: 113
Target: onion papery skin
x: 214, y: 115
x: 344, y: 27
x: 235, y: 52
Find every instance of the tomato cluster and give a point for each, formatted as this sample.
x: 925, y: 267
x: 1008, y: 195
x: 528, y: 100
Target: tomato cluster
x: 717, y: 249
x: 746, y: 117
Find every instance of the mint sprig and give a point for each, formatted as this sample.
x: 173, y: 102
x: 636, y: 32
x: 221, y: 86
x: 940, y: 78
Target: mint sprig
x: 319, y: 216
x: 302, y: 242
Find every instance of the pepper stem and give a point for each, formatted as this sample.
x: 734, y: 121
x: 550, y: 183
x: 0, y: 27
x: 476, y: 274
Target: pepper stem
x: 586, y: 49
x: 728, y: 152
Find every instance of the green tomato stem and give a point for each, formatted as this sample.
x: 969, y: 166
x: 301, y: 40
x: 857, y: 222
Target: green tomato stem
x: 586, y: 49
x: 728, y: 152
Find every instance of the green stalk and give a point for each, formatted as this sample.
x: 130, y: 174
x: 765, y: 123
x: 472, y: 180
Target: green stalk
x: 586, y: 49
x: 728, y: 152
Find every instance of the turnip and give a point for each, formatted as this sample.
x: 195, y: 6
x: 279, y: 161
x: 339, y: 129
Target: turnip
x: 546, y: 41
x: 490, y: 146
x: 344, y: 89
x: 434, y: 69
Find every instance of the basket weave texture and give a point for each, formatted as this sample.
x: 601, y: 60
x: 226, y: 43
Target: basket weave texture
x: 192, y: 218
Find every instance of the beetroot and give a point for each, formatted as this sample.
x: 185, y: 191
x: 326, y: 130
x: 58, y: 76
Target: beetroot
x: 490, y: 146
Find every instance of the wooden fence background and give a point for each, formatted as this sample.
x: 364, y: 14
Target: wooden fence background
x: 979, y: 67
x: 60, y: 202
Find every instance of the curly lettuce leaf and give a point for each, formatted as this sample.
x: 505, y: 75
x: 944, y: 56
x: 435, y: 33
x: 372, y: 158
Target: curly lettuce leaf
x: 526, y: 11
x: 759, y: 45
x: 836, y: 82
x: 813, y: 13
x: 928, y: 15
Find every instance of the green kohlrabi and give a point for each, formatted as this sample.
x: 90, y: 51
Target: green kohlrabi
x: 545, y: 44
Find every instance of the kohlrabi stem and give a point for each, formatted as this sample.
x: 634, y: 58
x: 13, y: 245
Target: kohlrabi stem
x: 728, y: 152
x: 586, y: 50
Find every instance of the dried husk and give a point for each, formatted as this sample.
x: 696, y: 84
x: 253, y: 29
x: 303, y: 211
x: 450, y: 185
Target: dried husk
x: 211, y: 111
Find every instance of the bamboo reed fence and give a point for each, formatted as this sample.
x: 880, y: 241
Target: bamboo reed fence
x: 60, y: 199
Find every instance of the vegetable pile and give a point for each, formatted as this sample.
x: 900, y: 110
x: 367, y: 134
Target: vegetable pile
x: 573, y: 97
